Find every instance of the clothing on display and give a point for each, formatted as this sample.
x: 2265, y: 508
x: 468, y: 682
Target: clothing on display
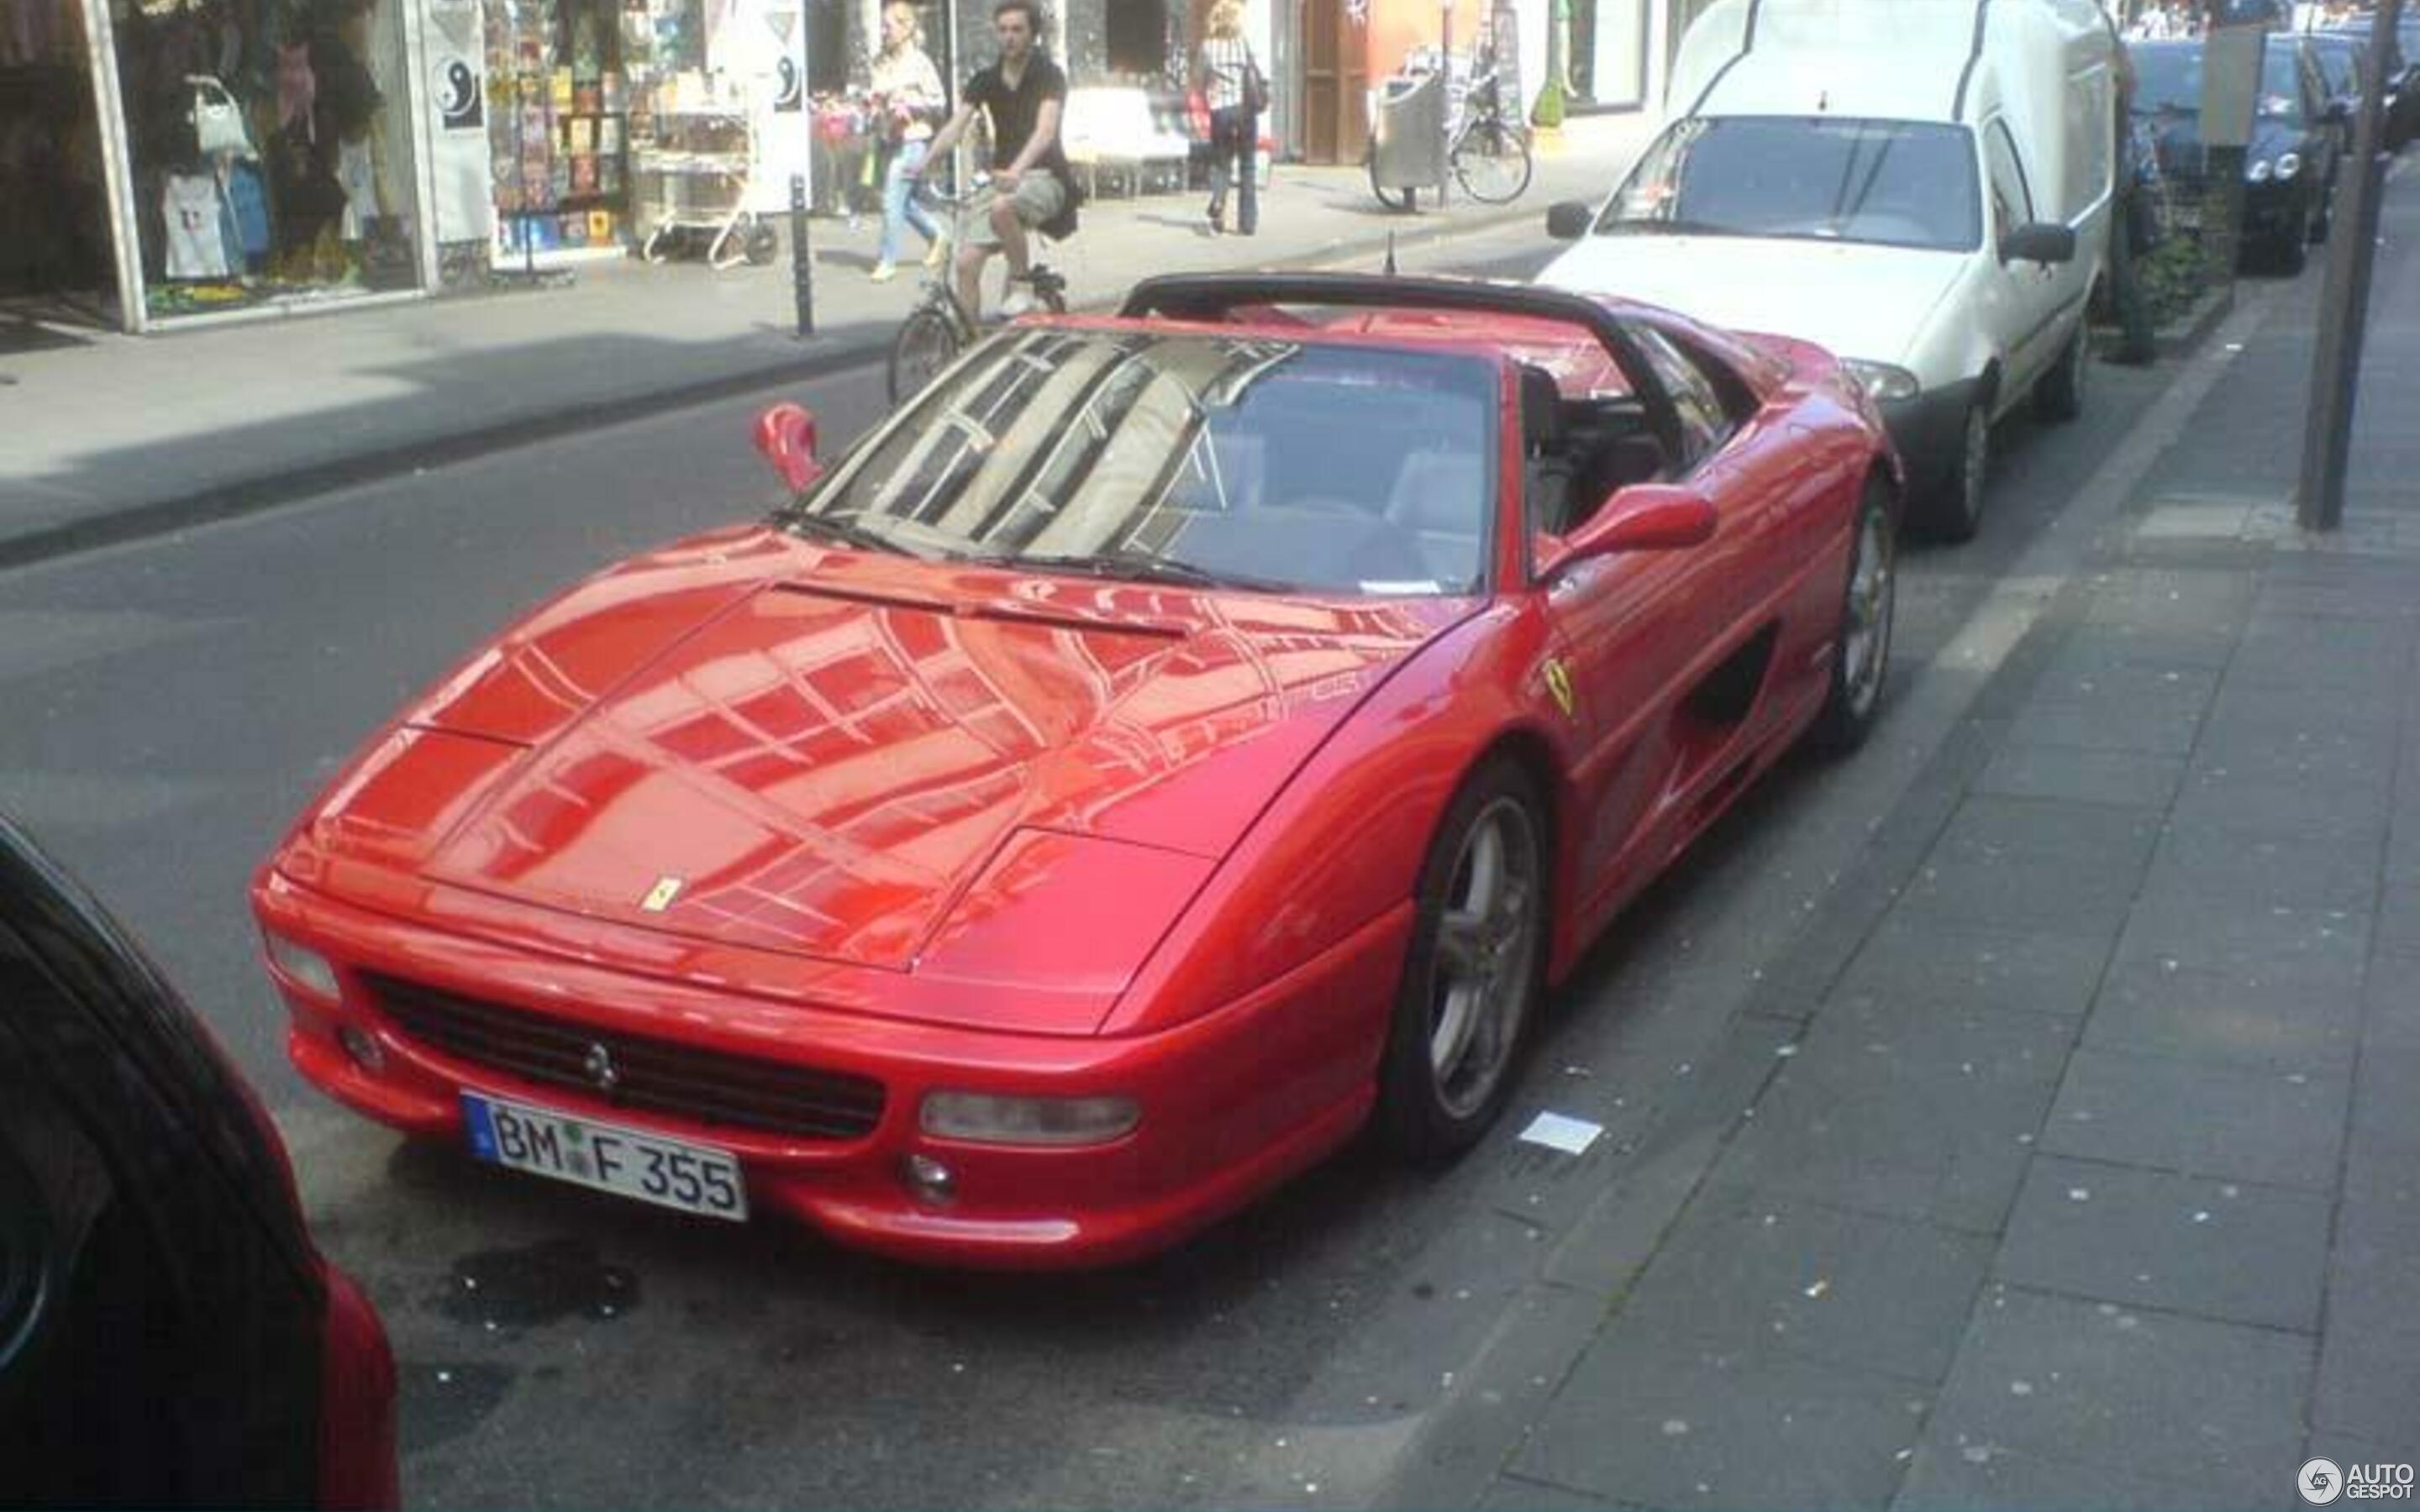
x: 190, y: 204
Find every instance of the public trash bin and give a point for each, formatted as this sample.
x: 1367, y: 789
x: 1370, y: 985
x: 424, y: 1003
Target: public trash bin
x: 1407, y: 138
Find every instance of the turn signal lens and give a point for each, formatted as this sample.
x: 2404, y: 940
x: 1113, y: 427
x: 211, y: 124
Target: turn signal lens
x: 1881, y: 381
x: 305, y: 969
x: 983, y: 1119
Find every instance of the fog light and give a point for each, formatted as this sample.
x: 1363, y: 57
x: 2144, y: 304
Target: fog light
x: 363, y: 1046
x: 1029, y: 1120
x: 929, y: 1179
x: 305, y: 969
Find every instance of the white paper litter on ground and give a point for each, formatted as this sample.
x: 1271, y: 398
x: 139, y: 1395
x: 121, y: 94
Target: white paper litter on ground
x: 1556, y: 1132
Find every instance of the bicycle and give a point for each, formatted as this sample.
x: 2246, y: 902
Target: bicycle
x: 940, y: 327
x: 1489, y: 153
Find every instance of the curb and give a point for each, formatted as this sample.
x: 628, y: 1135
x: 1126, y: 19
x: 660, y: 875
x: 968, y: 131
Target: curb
x: 238, y: 497
x: 2187, y: 334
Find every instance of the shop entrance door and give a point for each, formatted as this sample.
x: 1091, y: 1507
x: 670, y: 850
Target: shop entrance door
x: 57, y: 259
x: 1335, y: 82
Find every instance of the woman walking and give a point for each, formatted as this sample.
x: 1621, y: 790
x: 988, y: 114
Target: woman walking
x: 1230, y: 81
x: 907, y: 93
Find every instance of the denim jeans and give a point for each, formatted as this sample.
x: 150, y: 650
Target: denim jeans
x: 901, y: 209
x: 1233, y: 135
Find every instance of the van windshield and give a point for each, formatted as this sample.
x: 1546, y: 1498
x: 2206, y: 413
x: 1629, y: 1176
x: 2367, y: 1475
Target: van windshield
x: 1891, y: 183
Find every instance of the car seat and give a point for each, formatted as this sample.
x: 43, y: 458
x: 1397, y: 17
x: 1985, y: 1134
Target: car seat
x: 1546, y: 469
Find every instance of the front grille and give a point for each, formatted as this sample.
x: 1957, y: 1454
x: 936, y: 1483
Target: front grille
x: 655, y: 1076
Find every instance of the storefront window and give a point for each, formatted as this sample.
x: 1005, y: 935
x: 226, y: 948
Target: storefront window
x: 560, y: 73
x: 1608, y: 52
x: 270, y: 150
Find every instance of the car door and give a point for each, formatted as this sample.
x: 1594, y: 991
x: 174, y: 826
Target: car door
x: 1638, y: 633
x: 160, y: 1331
x: 2020, y: 304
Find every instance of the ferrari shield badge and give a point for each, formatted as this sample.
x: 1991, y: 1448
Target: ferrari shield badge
x: 1559, y: 683
x: 661, y: 896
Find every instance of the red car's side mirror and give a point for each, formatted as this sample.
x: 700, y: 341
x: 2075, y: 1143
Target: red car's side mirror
x: 786, y: 434
x: 1645, y: 517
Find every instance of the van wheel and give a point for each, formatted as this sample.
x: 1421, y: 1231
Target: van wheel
x: 2059, y: 396
x: 1954, y: 509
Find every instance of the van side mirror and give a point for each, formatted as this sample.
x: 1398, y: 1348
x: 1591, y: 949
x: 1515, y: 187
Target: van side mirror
x: 1568, y: 221
x: 2039, y: 241
x: 1645, y: 517
x: 786, y: 434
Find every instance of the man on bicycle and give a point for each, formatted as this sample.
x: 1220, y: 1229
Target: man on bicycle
x: 1024, y: 94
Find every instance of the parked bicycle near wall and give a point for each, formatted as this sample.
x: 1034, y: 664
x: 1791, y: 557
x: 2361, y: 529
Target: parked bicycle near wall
x: 1487, y: 148
x: 940, y: 326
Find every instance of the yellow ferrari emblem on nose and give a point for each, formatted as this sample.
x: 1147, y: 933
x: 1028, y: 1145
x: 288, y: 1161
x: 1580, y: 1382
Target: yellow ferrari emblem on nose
x: 661, y: 896
x: 1559, y: 683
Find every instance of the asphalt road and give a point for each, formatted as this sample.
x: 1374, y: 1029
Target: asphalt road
x: 171, y: 703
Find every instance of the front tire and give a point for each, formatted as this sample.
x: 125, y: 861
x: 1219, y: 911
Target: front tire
x: 2059, y: 396
x: 1474, y: 970
x: 1870, y: 606
x: 1955, y: 505
x: 927, y: 342
x: 1492, y: 162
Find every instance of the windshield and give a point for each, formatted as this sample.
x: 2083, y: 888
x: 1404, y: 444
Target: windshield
x: 1220, y: 461
x: 2167, y: 80
x: 1896, y: 183
x: 2339, y: 64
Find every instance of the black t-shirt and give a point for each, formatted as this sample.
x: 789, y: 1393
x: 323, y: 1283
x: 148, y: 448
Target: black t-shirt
x: 1013, y: 112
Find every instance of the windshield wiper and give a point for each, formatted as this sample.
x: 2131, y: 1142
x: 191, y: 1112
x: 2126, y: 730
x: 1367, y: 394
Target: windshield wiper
x: 1674, y: 226
x: 847, y: 532
x: 1139, y: 567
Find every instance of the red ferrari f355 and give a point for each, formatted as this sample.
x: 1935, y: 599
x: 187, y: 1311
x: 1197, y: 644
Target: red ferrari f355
x: 1169, y: 742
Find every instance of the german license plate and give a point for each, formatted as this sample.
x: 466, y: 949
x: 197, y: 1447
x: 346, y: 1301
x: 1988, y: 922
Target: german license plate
x: 691, y: 1178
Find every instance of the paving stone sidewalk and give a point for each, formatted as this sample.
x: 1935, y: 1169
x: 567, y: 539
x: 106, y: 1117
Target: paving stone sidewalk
x: 2091, y: 1177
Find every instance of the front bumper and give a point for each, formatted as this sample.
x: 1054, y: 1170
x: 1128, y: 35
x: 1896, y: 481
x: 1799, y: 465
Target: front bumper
x: 1233, y: 1103
x: 1930, y: 430
x: 2278, y: 212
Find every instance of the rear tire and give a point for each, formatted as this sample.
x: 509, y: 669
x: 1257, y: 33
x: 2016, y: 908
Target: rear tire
x: 1475, y: 969
x: 927, y: 342
x: 1492, y: 162
x: 1870, y: 606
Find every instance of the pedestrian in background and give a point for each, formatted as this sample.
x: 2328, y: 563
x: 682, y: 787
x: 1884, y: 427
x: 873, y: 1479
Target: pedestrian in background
x: 1231, y: 83
x: 908, y: 91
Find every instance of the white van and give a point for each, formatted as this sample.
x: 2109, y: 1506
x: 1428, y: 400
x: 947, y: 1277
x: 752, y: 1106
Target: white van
x: 1922, y: 186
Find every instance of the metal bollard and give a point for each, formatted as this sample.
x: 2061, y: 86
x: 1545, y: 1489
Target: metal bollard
x: 803, y: 265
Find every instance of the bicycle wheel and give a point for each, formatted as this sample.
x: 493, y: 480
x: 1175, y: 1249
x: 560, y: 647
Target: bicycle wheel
x: 1491, y: 161
x: 927, y: 342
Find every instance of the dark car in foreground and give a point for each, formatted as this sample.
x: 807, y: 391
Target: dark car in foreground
x: 168, y: 1335
x: 2289, y: 166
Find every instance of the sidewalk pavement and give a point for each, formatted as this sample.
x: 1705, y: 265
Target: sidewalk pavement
x: 114, y: 435
x: 2074, y: 1159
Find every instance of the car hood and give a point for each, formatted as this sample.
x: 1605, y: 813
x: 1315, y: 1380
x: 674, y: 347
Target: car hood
x: 2181, y: 149
x: 765, y: 744
x: 1852, y: 300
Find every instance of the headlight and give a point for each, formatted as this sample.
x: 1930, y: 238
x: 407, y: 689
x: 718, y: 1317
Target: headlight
x: 2289, y: 164
x: 306, y: 968
x: 1881, y: 381
x: 989, y: 1120
x: 2259, y: 171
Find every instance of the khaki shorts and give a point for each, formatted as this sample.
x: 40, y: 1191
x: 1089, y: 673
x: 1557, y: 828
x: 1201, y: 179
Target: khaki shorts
x: 1039, y: 197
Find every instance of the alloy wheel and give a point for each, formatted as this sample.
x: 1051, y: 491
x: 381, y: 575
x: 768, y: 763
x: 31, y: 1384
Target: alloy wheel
x: 1486, y: 956
x: 1865, y: 640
